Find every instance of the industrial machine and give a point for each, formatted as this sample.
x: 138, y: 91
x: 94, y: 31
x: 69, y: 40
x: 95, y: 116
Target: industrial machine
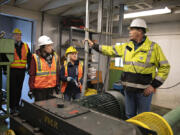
x: 58, y: 117
x: 6, y: 57
x: 110, y: 102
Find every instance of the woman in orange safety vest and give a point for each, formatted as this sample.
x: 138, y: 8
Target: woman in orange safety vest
x: 71, y: 75
x: 44, y: 71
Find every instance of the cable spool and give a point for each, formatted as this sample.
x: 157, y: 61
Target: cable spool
x: 152, y: 121
x: 10, y: 132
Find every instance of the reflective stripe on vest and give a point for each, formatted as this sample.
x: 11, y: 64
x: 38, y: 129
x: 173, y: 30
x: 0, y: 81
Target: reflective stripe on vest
x: 40, y: 71
x: 138, y: 64
x: 20, y: 63
x: 147, y: 64
x: 139, y: 86
x: 159, y: 79
x: 80, y: 74
x: 45, y: 75
x: 116, y: 53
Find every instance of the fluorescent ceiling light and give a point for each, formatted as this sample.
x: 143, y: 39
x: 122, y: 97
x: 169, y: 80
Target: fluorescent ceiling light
x: 148, y: 13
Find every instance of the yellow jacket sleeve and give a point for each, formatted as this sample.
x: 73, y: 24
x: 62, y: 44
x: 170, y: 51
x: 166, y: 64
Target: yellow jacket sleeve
x: 113, y: 51
x: 162, y: 64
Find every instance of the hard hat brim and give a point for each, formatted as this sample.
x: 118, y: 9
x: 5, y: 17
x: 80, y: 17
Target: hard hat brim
x: 48, y: 43
x: 18, y: 33
x: 71, y: 52
x: 137, y: 27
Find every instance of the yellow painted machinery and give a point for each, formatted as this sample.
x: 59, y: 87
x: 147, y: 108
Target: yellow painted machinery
x: 166, y: 125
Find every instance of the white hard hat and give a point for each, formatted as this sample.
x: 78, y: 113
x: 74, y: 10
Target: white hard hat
x: 44, y: 40
x: 138, y: 22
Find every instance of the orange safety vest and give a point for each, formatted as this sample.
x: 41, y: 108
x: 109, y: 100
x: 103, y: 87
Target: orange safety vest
x: 45, y: 76
x: 80, y: 74
x: 20, y: 63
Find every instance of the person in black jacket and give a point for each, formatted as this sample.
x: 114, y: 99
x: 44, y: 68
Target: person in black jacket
x: 21, y: 64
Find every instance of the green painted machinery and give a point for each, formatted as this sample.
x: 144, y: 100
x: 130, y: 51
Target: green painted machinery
x: 6, y: 57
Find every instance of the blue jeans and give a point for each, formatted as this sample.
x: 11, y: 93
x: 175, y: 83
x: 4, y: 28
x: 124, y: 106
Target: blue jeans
x: 68, y: 97
x: 136, y: 103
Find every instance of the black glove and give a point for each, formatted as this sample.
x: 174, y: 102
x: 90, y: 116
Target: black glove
x: 30, y: 94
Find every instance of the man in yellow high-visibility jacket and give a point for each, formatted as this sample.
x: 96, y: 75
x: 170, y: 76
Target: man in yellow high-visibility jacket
x: 145, y: 67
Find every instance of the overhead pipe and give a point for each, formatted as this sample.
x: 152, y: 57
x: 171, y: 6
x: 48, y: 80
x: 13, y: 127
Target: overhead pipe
x: 3, y: 2
x: 18, y: 2
x: 173, y: 118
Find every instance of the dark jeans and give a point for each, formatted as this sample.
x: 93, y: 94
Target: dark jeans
x: 16, y: 83
x: 136, y: 103
x: 43, y: 94
x: 69, y: 97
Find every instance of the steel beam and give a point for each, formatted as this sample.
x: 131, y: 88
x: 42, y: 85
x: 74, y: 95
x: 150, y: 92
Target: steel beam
x: 19, y: 2
x: 94, y: 7
x: 3, y: 2
x: 59, y: 3
x: 162, y: 4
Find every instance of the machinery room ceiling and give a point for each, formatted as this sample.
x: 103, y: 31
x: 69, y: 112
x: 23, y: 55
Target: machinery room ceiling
x: 77, y: 8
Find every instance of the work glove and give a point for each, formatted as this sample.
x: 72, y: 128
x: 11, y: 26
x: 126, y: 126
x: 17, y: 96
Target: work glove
x: 30, y: 94
x: 76, y: 83
x: 73, y: 81
x: 69, y: 79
